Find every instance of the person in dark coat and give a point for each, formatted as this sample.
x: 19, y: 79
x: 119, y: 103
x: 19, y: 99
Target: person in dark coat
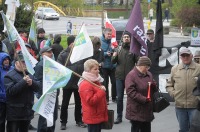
x: 20, y: 90
x: 56, y: 47
x: 138, y: 83
x: 166, y: 15
x: 125, y: 61
x: 5, y: 67
x: 195, y: 124
x: 98, y: 52
x: 71, y: 87
x: 40, y: 37
x: 9, y: 46
x: 42, y: 122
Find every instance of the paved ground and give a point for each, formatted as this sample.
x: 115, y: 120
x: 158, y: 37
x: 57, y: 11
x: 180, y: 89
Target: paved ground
x: 164, y: 121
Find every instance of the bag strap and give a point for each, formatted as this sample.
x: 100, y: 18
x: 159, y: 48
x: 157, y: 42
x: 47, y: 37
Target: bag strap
x: 158, y: 94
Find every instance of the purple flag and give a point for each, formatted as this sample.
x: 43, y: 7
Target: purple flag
x: 136, y: 27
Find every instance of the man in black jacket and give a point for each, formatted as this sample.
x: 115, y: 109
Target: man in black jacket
x: 71, y: 87
x: 20, y: 90
x: 125, y: 61
x: 42, y: 122
x: 56, y: 47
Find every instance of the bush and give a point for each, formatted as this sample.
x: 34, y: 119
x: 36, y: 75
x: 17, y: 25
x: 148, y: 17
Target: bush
x: 189, y: 16
x: 23, y: 17
x: 175, y: 22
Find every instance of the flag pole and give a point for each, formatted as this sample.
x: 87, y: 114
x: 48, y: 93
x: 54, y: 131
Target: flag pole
x: 72, y: 49
x: 20, y: 63
x: 86, y: 80
x: 69, y: 55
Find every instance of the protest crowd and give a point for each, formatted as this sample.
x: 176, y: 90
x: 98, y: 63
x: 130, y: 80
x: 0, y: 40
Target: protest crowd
x: 43, y: 68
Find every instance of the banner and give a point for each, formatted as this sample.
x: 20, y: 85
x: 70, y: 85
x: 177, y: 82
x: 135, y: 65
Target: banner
x: 162, y: 68
x: 136, y: 27
x: 158, y: 43
x: 13, y: 35
x: 195, y: 36
x: 55, y: 76
x: 83, y: 47
x: 33, y: 33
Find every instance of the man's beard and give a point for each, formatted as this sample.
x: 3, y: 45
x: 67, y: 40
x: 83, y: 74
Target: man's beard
x: 126, y: 44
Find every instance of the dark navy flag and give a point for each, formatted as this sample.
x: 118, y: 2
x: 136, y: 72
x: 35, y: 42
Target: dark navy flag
x: 136, y: 27
x: 158, y: 44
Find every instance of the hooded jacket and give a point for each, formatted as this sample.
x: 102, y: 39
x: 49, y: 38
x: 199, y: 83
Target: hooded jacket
x: 3, y: 72
x: 56, y: 47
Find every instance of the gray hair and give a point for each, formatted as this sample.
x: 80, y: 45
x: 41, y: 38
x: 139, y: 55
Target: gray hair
x: 89, y: 64
x: 106, y: 30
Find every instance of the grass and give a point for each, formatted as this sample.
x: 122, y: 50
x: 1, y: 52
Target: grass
x: 117, y: 14
x: 64, y: 41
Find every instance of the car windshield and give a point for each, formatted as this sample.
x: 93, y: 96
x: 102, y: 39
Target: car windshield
x: 119, y: 25
x: 50, y: 11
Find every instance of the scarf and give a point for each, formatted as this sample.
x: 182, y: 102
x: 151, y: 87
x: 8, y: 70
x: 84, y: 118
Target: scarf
x: 91, y: 77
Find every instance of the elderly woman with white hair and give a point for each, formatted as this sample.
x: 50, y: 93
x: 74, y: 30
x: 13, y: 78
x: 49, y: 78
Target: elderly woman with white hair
x: 93, y: 97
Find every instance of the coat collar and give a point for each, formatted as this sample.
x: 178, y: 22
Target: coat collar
x: 191, y: 66
x: 141, y: 74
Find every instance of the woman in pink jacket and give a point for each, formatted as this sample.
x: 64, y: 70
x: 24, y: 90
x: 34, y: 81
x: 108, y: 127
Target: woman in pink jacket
x: 93, y: 98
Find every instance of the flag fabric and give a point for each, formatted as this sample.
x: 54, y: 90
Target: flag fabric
x: 55, y: 76
x: 32, y: 33
x: 83, y: 47
x: 136, y: 27
x: 109, y: 25
x: 158, y: 43
x: 13, y: 35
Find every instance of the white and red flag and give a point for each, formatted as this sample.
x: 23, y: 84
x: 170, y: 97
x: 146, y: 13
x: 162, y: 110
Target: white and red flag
x: 109, y: 25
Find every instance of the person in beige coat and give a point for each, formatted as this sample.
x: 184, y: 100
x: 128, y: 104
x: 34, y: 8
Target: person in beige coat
x: 182, y: 81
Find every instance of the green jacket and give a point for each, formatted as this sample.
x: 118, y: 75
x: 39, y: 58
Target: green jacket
x: 125, y: 61
x: 181, y: 84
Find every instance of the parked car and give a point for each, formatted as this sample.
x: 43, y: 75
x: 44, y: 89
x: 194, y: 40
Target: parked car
x: 119, y: 26
x: 46, y: 13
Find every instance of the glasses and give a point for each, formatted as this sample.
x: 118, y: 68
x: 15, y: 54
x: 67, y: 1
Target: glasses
x: 185, y: 55
x: 147, y: 67
x: 197, y: 60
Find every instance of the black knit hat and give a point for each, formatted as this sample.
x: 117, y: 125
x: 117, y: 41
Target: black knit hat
x: 41, y: 30
x: 144, y: 61
x: 150, y: 31
x: 20, y: 56
x: 70, y: 39
x: 126, y: 33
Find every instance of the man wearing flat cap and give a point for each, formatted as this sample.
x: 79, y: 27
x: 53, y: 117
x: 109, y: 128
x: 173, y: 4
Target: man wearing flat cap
x: 182, y: 81
x: 42, y: 122
x: 20, y: 88
x: 125, y: 61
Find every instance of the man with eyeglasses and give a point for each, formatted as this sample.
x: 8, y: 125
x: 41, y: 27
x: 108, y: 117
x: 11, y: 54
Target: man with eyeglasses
x: 125, y: 61
x: 150, y: 43
x: 182, y: 81
x: 197, y: 56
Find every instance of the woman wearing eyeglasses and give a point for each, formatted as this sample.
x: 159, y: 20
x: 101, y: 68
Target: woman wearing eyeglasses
x: 140, y: 88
